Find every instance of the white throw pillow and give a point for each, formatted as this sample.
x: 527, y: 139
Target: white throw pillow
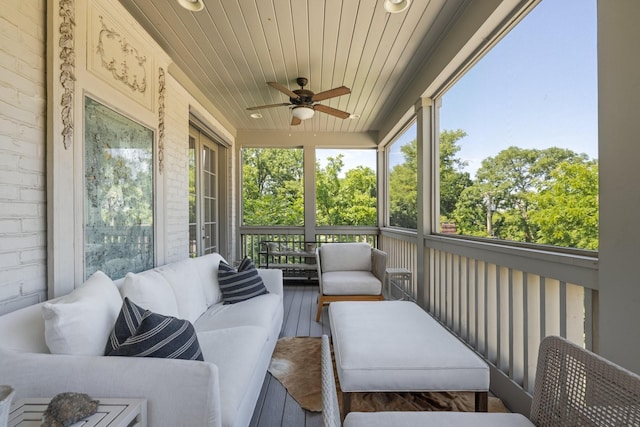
x: 80, y: 323
x: 207, y: 266
x: 185, y: 281
x: 151, y: 291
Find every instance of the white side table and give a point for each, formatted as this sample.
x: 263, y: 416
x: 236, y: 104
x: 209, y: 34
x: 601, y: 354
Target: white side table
x: 27, y: 412
x: 401, y: 278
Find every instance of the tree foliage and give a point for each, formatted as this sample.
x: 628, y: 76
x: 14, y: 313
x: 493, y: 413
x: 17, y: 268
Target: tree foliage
x: 272, y: 186
x: 273, y: 190
x: 512, y: 195
x: 547, y: 196
x: 403, y: 181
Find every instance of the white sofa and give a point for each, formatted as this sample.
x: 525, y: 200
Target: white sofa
x: 237, y: 341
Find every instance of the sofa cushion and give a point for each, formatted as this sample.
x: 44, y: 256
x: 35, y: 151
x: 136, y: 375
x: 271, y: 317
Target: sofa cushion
x: 259, y: 311
x: 241, y: 284
x: 207, y: 267
x: 152, y: 291
x: 187, y: 288
x: 350, y: 283
x: 238, y: 353
x: 153, y: 335
x: 80, y: 322
x: 345, y: 257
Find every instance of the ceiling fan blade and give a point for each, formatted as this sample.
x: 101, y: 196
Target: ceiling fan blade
x: 260, y: 107
x: 283, y: 89
x: 295, y: 121
x: 332, y: 111
x: 331, y: 93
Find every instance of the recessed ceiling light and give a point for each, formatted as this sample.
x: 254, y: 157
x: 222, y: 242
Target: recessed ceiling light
x: 354, y: 116
x: 192, y: 5
x: 396, y: 6
x: 255, y: 115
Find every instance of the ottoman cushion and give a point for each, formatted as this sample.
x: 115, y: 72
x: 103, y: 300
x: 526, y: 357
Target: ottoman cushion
x: 397, y: 346
x: 440, y: 419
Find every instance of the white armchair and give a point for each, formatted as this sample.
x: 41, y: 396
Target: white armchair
x: 349, y: 272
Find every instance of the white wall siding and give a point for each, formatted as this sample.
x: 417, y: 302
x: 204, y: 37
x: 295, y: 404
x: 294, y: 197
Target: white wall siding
x: 22, y: 154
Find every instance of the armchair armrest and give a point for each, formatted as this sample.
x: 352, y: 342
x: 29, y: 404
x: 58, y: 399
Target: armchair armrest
x: 178, y: 392
x: 378, y: 264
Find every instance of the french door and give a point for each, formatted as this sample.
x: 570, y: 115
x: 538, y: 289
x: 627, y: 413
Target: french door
x: 204, y: 206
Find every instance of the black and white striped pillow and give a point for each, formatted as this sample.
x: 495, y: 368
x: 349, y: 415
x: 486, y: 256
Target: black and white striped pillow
x: 152, y: 335
x: 241, y: 284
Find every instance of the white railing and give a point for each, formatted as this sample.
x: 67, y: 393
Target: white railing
x: 502, y: 300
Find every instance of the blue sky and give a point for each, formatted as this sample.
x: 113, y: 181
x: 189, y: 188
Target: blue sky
x: 536, y: 88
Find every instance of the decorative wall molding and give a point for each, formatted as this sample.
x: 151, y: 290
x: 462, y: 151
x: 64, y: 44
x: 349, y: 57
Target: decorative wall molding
x: 161, y: 93
x: 121, y: 72
x: 67, y: 68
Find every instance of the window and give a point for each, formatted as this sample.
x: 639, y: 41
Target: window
x: 119, y: 193
x: 520, y: 134
x: 272, y: 186
x: 346, y: 187
x: 403, y: 180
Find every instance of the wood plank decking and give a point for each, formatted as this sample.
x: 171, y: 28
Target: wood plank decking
x: 275, y: 407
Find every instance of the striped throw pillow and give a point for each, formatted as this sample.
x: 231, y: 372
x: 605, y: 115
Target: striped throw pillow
x: 241, y: 284
x: 142, y: 333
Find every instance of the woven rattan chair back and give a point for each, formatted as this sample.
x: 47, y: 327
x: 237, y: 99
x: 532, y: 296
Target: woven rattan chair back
x: 330, y: 408
x: 575, y: 387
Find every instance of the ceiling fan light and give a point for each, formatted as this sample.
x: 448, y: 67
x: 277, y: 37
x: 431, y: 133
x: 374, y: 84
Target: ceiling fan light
x: 302, y: 112
x: 396, y: 6
x: 192, y: 5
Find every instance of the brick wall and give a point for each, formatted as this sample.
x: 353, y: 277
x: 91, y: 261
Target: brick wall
x: 177, y: 172
x: 22, y: 154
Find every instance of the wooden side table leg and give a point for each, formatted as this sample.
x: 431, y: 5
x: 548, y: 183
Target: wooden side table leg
x: 482, y: 401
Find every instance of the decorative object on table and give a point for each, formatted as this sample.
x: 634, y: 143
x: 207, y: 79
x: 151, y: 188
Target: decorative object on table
x: 6, y: 396
x: 310, y: 247
x: 296, y: 365
x: 67, y: 408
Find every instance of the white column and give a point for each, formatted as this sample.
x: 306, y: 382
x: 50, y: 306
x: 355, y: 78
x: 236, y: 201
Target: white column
x: 425, y: 134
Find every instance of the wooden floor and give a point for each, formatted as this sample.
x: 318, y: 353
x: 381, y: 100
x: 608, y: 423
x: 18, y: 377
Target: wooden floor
x: 275, y: 407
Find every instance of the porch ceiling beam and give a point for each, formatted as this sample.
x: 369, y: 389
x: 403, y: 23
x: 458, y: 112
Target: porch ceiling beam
x: 297, y: 139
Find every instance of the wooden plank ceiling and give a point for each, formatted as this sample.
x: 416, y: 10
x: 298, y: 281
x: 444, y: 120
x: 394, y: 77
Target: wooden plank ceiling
x: 231, y: 49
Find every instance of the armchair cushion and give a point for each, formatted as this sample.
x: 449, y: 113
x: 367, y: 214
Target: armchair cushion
x: 345, y: 257
x: 350, y: 283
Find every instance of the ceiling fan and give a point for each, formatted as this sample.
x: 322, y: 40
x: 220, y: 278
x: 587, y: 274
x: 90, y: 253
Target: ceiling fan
x: 304, y: 102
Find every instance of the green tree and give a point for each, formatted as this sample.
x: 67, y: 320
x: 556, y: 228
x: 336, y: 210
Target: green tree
x: 345, y: 201
x: 403, y: 189
x: 453, y: 180
x: 403, y: 180
x: 272, y: 186
x: 567, y: 213
x: 506, y: 194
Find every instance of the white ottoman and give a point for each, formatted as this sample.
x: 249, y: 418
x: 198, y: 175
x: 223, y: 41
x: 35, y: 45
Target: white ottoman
x: 396, y: 346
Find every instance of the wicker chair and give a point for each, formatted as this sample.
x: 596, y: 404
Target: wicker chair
x: 574, y: 387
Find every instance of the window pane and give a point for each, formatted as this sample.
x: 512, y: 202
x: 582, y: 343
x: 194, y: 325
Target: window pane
x: 272, y: 186
x: 118, y: 193
x: 346, y: 187
x: 522, y: 123
x: 403, y: 180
